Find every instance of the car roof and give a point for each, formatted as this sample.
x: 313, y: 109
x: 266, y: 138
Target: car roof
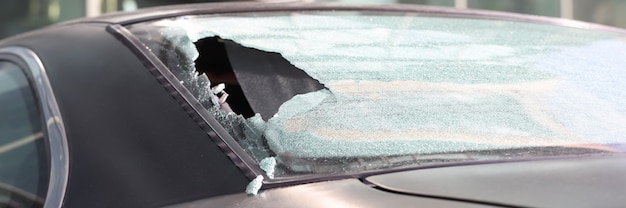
x: 160, y: 12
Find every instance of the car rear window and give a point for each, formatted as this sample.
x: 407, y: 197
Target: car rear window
x: 347, y: 92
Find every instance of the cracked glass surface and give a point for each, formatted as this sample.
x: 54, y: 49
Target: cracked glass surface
x: 411, y: 90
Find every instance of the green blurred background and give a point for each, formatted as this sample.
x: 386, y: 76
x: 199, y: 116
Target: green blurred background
x: 17, y: 16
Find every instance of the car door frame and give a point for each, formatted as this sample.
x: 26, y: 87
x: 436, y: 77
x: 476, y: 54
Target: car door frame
x: 54, y: 132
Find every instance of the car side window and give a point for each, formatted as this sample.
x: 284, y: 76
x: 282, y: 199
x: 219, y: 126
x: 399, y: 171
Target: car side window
x: 24, y: 162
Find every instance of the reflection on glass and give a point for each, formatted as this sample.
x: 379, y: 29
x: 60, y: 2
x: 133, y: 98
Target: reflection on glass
x: 24, y: 167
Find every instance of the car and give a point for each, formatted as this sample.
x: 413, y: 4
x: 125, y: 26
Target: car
x: 313, y: 105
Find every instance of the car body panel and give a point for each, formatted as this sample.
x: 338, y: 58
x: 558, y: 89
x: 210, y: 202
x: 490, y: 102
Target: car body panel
x: 340, y: 193
x: 573, y: 182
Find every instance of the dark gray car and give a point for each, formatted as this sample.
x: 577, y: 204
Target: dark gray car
x: 313, y: 105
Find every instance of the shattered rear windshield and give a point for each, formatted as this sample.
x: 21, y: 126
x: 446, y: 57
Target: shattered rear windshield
x: 345, y: 92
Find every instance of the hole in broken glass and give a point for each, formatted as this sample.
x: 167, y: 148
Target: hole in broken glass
x: 256, y: 83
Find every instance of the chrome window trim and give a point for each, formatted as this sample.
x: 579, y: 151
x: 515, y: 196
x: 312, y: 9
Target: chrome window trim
x: 57, y: 138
